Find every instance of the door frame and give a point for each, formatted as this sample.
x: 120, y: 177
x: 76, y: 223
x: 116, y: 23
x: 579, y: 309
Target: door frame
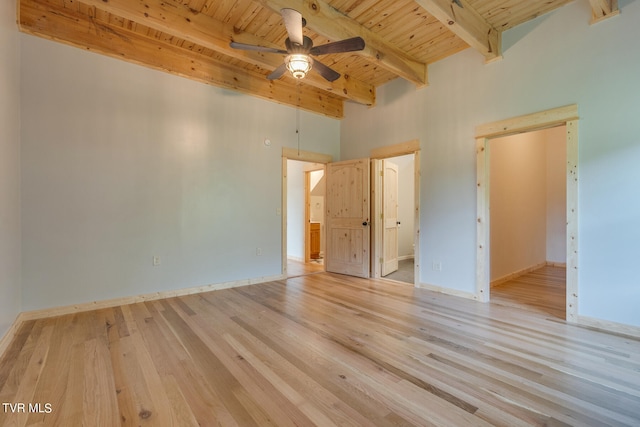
x: 378, y: 154
x: 303, y: 156
x: 567, y: 116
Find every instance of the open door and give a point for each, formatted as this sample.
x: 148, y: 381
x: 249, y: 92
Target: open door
x: 389, y: 217
x: 347, y: 226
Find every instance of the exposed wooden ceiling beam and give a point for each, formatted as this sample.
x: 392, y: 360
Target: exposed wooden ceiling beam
x: 466, y: 23
x: 65, y: 25
x: 180, y: 21
x: 327, y: 21
x: 603, y: 9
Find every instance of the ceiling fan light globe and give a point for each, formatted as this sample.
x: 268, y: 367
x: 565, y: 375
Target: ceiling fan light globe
x: 298, y: 65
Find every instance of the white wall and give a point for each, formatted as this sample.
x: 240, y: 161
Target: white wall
x: 552, y: 61
x: 556, y: 142
x: 121, y: 163
x: 518, y: 203
x: 528, y: 200
x: 10, y: 297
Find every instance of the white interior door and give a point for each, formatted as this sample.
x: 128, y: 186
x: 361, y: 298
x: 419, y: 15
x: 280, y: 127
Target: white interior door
x: 389, y: 217
x: 347, y: 227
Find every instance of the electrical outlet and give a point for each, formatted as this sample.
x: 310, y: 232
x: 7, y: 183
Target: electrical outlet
x: 156, y: 261
x: 437, y: 266
x: 259, y: 251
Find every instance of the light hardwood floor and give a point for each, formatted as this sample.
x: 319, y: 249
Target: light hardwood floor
x: 299, y: 268
x: 542, y: 290
x: 323, y: 350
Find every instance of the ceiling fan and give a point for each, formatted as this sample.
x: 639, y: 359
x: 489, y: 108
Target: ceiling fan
x: 300, y: 48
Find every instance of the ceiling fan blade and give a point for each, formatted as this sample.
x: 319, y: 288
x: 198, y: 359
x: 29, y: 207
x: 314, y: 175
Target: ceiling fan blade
x: 293, y: 23
x: 325, y: 71
x: 244, y: 46
x: 349, y: 45
x: 278, y: 72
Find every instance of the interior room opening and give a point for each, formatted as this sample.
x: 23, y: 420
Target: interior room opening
x: 528, y: 202
x: 398, y: 218
x: 305, y: 217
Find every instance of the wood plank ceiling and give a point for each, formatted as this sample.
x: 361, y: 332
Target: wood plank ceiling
x: 191, y: 38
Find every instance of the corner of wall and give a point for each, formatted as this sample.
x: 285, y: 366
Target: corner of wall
x: 10, y: 138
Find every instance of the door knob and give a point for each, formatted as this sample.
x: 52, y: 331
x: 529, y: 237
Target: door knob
x: 365, y: 223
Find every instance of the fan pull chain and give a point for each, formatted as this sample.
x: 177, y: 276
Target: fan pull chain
x: 298, y: 114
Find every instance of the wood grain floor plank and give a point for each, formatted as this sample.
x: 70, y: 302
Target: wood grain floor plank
x: 167, y: 355
x: 99, y: 397
x: 16, y: 360
x: 29, y: 383
x: 72, y: 410
x: 323, y: 349
x: 398, y: 347
x: 255, y: 392
x: 422, y: 384
x: 542, y: 290
x: 210, y: 365
x: 25, y: 332
x: 53, y: 379
x: 273, y: 374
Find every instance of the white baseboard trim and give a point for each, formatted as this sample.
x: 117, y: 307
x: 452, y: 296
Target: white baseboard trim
x: 447, y: 291
x: 403, y: 257
x: 608, y: 326
x: 96, y: 305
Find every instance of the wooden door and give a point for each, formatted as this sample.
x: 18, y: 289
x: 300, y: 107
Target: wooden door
x: 347, y: 227
x: 389, y: 217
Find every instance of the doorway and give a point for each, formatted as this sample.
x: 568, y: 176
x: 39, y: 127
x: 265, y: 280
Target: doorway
x: 302, y: 202
x: 528, y: 220
x: 347, y: 255
x: 567, y: 116
x: 396, y: 212
x: 305, y: 217
x: 396, y: 218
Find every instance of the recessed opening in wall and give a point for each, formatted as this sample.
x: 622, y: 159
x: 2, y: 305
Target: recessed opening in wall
x: 396, y: 212
x: 305, y: 217
x: 303, y: 212
x: 397, y: 218
x: 513, y: 204
x: 528, y: 220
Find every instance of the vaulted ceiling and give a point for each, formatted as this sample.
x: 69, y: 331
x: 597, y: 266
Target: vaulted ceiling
x: 191, y: 38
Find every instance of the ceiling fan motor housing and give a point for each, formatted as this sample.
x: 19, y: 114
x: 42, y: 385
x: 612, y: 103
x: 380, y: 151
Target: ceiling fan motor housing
x: 304, y: 48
